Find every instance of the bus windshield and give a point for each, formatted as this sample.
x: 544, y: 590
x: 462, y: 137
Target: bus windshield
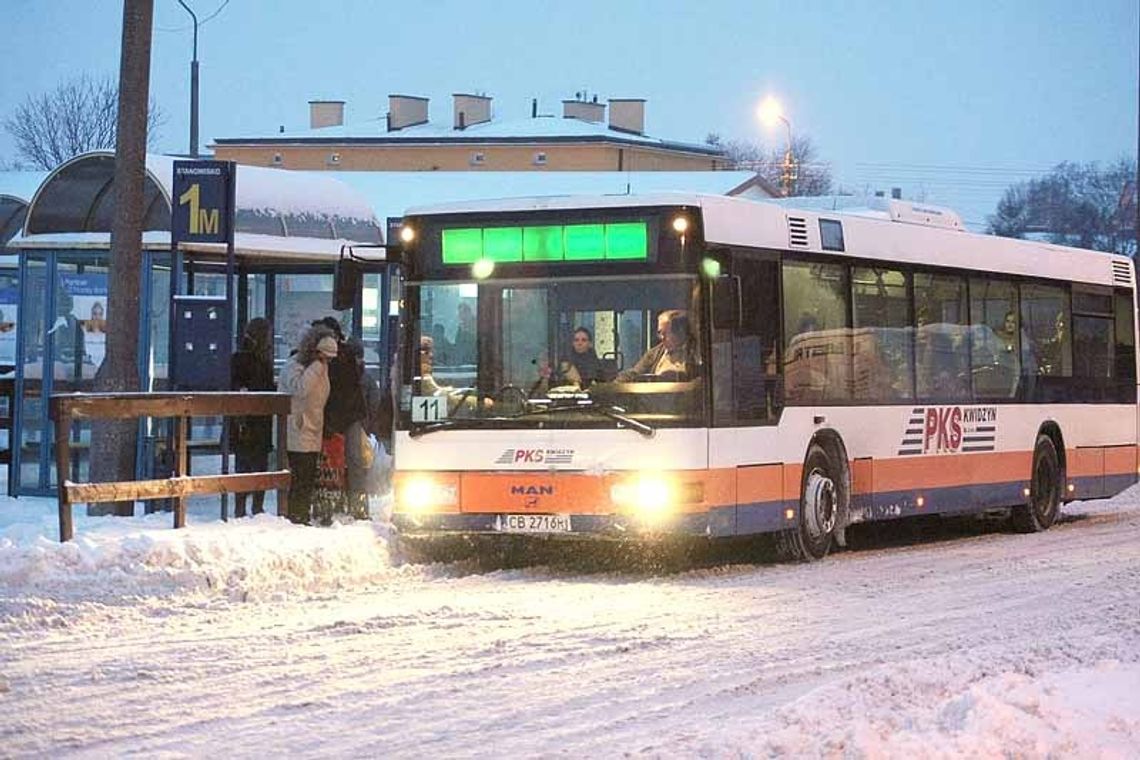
x: 589, y: 353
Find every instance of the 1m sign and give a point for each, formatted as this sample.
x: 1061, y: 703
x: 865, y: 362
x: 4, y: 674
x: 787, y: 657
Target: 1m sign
x: 203, y: 202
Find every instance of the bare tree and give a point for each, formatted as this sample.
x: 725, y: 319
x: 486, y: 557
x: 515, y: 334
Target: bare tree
x: 1086, y: 205
x: 812, y: 174
x: 79, y: 115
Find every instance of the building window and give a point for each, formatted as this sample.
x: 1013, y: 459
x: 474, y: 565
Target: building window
x: 477, y: 159
x: 334, y: 159
x: 540, y: 159
x: 278, y: 159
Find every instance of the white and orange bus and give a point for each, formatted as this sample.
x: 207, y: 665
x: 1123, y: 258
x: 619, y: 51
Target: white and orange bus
x: 836, y: 367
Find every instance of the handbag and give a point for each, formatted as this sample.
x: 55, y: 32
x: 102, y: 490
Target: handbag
x: 367, y: 454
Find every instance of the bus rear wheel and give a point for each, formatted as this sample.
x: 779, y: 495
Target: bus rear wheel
x: 1044, y: 490
x: 820, y: 505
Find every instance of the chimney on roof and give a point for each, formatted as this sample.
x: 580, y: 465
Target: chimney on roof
x: 406, y: 111
x: 628, y: 115
x: 326, y: 113
x: 580, y: 108
x: 471, y: 109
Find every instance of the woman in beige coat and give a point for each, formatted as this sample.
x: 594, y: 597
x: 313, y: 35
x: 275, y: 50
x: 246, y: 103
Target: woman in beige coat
x: 306, y: 379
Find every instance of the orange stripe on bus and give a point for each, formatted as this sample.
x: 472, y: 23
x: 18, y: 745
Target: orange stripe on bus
x: 793, y: 475
x: 1085, y: 463
x: 1120, y: 460
x: 862, y: 476
x: 917, y: 473
x: 760, y: 483
x: 580, y: 493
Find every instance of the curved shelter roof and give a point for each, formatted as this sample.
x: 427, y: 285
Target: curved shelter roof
x: 16, y: 191
x: 77, y: 198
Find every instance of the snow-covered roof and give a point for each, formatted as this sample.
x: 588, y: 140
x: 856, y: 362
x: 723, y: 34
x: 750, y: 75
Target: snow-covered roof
x: 539, y: 128
x: 76, y: 198
x: 246, y: 245
x: 392, y: 193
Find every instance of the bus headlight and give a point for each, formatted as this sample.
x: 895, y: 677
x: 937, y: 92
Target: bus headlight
x: 653, y: 496
x: 424, y: 493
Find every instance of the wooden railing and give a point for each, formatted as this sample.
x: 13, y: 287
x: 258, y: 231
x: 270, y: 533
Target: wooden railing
x: 68, y: 407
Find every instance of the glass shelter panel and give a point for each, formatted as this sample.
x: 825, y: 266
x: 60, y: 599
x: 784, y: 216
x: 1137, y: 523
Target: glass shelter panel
x: 299, y: 300
x: 33, y: 414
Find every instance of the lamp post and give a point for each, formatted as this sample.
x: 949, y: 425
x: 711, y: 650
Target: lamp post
x: 770, y: 112
x: 193, y: 86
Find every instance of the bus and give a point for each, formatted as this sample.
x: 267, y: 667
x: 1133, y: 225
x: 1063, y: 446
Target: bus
x: 835, y: 367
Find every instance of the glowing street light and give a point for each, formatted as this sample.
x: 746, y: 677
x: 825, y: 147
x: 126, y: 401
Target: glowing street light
x: 771, y: 112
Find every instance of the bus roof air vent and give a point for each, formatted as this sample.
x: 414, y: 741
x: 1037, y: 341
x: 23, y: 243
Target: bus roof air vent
x: 910, y: 212
x: 797, y: 232
x: 1122, y: 273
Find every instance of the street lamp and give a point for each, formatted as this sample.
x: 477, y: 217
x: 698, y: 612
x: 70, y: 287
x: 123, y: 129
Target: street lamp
x: 193, y: 86
x: 770, y: 112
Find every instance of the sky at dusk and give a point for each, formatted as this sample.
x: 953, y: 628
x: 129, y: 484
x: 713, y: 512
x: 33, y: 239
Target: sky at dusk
x: 950, y: 102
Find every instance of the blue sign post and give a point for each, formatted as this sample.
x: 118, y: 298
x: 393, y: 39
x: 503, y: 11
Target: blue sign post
x: 203, y: 212
x: 201, y: 328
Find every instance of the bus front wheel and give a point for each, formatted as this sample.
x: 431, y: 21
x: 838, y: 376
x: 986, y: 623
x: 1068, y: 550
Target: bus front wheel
x: 1044, y: 490
x: 820, y: 505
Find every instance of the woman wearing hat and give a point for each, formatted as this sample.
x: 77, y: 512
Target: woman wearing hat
x: 306, y: 379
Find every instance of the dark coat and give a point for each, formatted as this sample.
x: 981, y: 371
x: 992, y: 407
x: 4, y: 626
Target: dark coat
x: 589, y: 366
x: 248, y: 373
x: 346, y: 394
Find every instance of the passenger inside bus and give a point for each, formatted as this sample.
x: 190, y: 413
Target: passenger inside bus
x: 582, y: 366
x: 673, y: 358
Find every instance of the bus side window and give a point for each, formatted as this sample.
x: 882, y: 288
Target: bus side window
x: 882, y: 342
x: 817, y: 337
x: 752, y: 365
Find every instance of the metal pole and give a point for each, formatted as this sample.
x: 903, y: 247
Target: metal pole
x: 193, y: 86
x: 788, y: 178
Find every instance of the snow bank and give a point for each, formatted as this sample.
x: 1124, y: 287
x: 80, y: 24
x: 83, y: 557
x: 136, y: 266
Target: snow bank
x: 953, y: 708
x: 144, y: 555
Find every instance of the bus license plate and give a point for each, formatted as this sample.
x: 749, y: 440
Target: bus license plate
x: 534, y: 524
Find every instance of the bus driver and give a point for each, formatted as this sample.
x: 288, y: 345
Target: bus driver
x: 673, y: 357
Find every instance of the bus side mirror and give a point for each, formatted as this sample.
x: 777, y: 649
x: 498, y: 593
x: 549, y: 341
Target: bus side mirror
x: 347, y: 278
x: 726, y: 303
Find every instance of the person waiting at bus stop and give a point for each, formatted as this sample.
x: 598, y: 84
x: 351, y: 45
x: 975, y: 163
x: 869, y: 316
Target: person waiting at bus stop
x: 673, y: 357
x: 306, y: 379
x: 251, y: 369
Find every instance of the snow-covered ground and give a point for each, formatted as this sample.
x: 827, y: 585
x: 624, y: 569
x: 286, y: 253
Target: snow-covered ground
x: 259, y: 638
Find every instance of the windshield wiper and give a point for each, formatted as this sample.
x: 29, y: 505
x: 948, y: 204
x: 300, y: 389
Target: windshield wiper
x: 615, y: 413
x: 432, y: 427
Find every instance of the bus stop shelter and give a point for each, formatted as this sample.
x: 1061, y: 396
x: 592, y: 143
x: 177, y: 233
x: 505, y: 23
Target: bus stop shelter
x: 289, y: 229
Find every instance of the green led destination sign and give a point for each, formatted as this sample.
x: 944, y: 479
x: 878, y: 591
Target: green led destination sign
x: 622, y: 241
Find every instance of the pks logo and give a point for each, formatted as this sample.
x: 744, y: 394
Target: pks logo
x: 536, y: 456
x: 949, y: 430
x: 942, y: 430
